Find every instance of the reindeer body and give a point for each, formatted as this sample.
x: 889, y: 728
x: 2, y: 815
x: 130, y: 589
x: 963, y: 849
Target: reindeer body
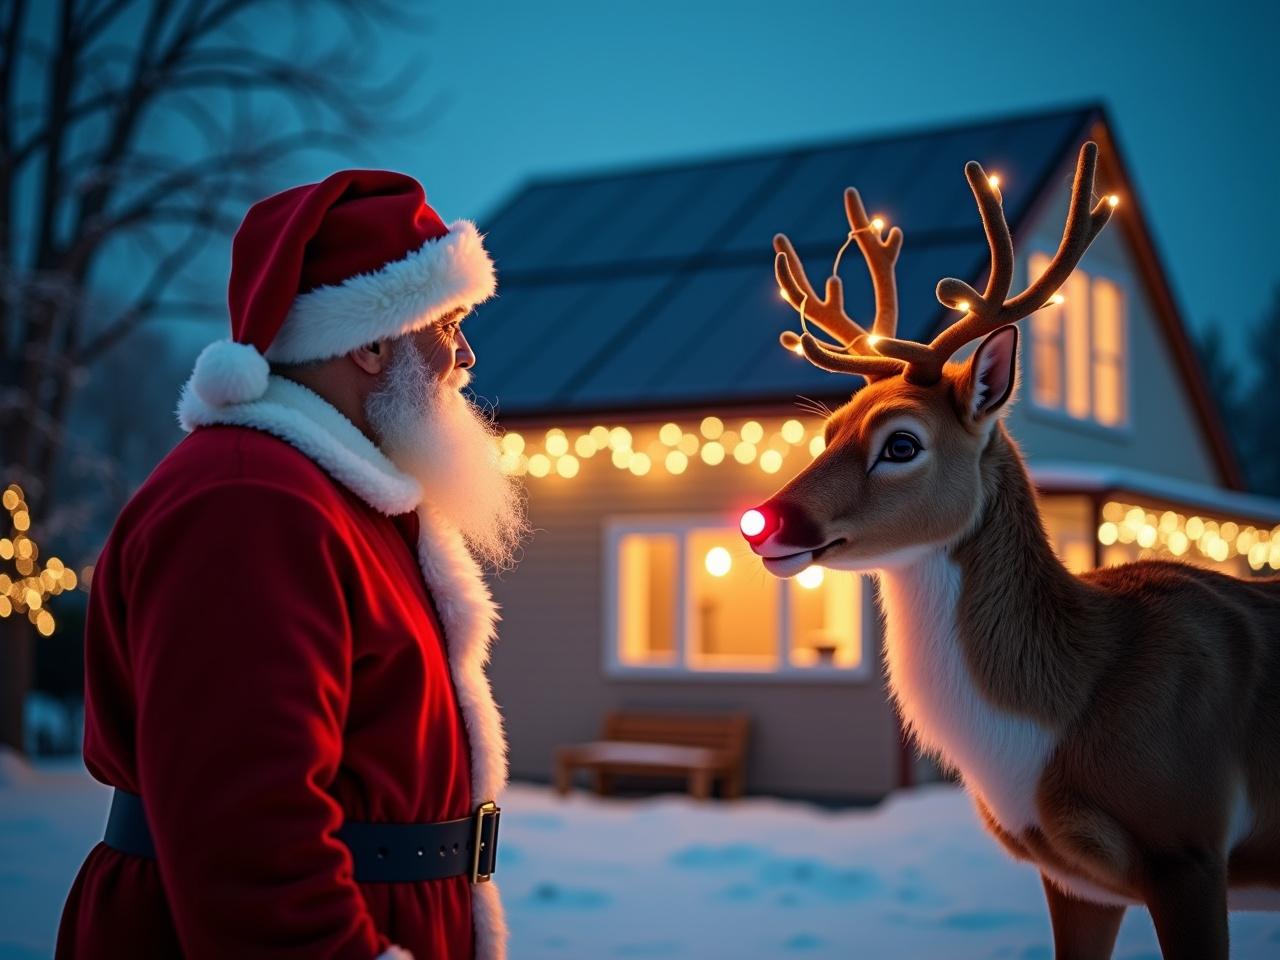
x: 1099, y: 719
x: 1121, y: 729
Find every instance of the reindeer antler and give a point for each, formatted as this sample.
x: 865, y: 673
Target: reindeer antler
x: 828, y: 313
x: 922, y: 363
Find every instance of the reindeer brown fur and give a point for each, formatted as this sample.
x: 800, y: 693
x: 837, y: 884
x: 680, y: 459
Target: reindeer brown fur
x: 1121, y: 729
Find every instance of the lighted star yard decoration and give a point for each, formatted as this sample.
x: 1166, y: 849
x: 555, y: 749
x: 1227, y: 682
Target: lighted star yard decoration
x: 28, y: 589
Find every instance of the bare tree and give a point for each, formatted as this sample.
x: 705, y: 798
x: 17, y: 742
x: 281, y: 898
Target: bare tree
x: 148, y: 124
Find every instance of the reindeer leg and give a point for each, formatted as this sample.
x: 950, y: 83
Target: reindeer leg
x: 1187, y: 897
x: 1081, y: 930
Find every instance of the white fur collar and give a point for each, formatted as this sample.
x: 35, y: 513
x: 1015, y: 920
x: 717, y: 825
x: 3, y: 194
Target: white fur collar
x: 305, y: 420
x: 1000, y: 755
x: 468, y: 615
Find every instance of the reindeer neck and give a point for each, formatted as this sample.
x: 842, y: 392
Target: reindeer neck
x: 1017, y: 621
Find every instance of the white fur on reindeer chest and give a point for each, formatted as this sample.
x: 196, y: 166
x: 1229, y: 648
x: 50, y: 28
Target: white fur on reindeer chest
x: 1000, y: 755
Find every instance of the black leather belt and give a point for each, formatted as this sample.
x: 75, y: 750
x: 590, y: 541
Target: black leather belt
x: 383, y: 852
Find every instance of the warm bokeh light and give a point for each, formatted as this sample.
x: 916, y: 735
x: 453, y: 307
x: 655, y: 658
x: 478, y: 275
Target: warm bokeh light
x: 811, y: 577
x: 718, y: 561
x: 877, y: 223
x: 29, y: 591
x: 640, y: 449
x: 557, y: 444
x: 1181, y: 536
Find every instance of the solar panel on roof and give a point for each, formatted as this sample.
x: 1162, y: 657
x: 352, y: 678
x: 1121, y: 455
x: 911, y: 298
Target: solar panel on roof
x: 655, y: 287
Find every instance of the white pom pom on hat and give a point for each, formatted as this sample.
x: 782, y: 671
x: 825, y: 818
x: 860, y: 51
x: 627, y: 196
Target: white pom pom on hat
x: 227, y: 373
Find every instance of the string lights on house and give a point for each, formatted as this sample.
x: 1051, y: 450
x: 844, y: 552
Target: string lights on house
x: 1173, y: 534
x: 27, y: 590
x: 672, y: 449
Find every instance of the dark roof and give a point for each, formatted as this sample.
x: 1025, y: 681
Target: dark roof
x: 653, y: 288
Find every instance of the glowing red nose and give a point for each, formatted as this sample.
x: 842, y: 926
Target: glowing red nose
x: 756, y: 525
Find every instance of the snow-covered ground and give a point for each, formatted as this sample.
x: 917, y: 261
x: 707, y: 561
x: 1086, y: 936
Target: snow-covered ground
x: 667, y: 877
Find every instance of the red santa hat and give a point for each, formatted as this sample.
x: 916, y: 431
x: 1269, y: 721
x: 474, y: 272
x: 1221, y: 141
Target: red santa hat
x: 321, y: 269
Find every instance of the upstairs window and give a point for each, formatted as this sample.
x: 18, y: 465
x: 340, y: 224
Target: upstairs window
x: 1078, y: 349
x: 687, y: 597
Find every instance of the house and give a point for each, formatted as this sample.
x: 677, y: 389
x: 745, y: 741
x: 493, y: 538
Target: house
x: 633, y: 354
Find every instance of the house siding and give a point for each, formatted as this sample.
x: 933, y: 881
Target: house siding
x: 812, y: 738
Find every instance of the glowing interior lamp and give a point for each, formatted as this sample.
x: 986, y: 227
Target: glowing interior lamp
x: 752, y: 523
x: 718, y: 561
x: 878, y: 223
x: 994, y: 180
x: 797, y: 348
x: 1113, y: 200
x: 873, y: 338
x: 1057, y: 299
x: 810, y: 577
x: 963, y: 306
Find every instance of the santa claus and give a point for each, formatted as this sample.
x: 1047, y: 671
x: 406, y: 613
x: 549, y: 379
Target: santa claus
x: 288, y: 627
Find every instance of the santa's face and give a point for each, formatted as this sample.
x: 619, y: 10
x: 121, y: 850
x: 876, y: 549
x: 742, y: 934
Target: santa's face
x: 444, y: 347
x: 435, y: 433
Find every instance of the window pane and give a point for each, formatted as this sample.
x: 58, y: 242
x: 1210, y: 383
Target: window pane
x: 1076, y: 290
x: 1046, y: 345
x: 733, y: 605
x: 1069, y: 523
x: 826, y: 618
x: 1108, y: 351
x: 647, y: 599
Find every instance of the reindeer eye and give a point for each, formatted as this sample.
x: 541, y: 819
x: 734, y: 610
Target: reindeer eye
x: 900, y: 447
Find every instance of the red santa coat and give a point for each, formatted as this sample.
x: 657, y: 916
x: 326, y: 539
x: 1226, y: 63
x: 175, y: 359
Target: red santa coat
x: 282, y: 636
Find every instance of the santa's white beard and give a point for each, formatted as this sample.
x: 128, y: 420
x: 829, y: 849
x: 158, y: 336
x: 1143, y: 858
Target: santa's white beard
x: 435, y: 434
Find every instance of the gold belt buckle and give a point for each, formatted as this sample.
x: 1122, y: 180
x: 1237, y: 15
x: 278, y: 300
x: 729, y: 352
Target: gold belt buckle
x: 486, y: 809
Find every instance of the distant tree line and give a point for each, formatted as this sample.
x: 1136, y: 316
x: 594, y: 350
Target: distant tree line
x: 1248, y: 397
x: 132, y: 133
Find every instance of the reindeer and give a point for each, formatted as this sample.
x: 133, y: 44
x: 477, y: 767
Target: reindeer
x: 1120, y: 730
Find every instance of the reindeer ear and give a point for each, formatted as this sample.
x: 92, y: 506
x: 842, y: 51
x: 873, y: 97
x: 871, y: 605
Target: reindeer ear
x: 993, y: 371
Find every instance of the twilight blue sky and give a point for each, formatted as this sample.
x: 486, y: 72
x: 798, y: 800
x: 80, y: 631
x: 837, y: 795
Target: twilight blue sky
x: 584, y: 84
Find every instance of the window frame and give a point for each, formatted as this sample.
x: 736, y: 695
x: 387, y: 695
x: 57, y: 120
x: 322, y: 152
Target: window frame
x: 1120, y: 279
x: 680, y: 525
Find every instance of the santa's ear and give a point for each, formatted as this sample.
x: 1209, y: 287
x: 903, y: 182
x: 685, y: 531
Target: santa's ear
x: 371, y: 358
x: 992, y: 373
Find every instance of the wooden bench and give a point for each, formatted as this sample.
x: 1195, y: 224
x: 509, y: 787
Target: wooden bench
x: 701, y: 747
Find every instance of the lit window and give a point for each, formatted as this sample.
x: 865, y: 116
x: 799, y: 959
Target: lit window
x: 692, y: 598
x: 1078, y: 348
x: 1108, y: 353
x: 647, y: 572
x: 1068, y: 520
